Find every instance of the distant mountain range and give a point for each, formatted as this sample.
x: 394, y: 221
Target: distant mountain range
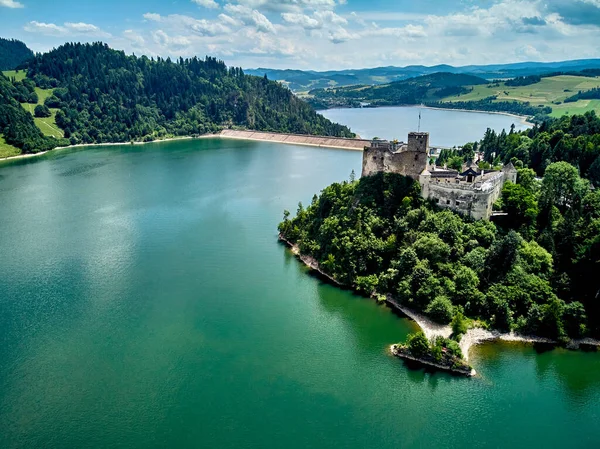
x: 300, y: 80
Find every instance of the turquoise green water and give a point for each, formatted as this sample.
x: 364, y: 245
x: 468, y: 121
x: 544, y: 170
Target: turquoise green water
x: 146, y: 303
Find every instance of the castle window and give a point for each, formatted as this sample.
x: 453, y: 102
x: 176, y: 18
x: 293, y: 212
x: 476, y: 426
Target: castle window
x: 458, y: 203
x: 437, y: 200
x: 448, y: 202
x: 416, y: 157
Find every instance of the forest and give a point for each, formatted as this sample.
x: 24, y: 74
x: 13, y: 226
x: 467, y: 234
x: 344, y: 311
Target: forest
x: 105, y: 95
x: 534, y: 272
x: 523, y: 80
x: 592, y: 94
x: 13, y: 53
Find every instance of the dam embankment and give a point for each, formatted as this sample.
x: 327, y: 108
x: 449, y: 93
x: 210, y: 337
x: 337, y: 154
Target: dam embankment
x: 297, y: 139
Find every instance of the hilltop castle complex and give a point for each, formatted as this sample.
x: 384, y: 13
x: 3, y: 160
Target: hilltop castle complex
x: 472, y: 192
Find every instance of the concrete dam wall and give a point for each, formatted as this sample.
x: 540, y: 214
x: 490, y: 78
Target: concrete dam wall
x: 298, y: 139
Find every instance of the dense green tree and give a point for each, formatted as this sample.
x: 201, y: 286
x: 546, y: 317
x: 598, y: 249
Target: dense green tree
x: 521, y: 206
x: 527, y: 179
x: 440, y: 309
x: 562, y: 187
x: 42, y: 111
x: 455, y: 163
x: 459, y: 325
x: 418, y: 344
x: 432, y: 248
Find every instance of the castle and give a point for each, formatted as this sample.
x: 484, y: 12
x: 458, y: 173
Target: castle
x: 471, y: 192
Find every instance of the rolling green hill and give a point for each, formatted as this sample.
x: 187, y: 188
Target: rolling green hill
x: 556, y: 95
x: 550, y: 91
x: 412, y: 91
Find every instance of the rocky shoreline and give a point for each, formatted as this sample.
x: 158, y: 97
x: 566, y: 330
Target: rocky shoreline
x: 474, y: 336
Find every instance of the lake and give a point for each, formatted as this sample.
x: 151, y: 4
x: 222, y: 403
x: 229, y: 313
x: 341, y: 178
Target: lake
x: 446, y: 127
x: 146, y: 303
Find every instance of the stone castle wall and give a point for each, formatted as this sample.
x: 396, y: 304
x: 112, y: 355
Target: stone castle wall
x: 407, y: 163
x: 475, y: 200
x: 410, y: 160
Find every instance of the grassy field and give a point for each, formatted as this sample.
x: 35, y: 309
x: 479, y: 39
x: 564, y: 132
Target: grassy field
x: 548, y: 92
x: 7, y: 150
x: 13, y: 73
x: 47, y: 125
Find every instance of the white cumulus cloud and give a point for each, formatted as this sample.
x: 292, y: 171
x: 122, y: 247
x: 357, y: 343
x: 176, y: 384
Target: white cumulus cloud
x: 250, y: 16
x: 67, y: 29
x: 11, y: 4
x: 210, y: 4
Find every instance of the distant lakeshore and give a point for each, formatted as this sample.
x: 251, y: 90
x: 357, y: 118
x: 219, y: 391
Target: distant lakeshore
x: 523, y: 119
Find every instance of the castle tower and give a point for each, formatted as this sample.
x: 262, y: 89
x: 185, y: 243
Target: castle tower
x: 418, y: 142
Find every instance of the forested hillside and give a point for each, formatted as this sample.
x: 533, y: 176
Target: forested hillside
x: 13, y: 53
x: 105, y: 95
x: 575, y: 140
x: 535, y: 271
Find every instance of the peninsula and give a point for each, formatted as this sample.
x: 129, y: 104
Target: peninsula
x: 526, y: 270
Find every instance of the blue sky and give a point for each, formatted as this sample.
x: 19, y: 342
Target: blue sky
x: 318, y: 34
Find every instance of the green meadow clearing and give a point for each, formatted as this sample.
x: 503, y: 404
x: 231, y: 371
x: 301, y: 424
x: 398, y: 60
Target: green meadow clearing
x: 48, y: 124
x: 17, y: 75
